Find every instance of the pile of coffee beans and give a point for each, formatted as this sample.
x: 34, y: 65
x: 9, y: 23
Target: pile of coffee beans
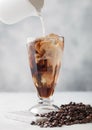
x: 68, y: 114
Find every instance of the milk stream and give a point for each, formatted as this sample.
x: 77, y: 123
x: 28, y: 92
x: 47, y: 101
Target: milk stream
x: 42, y: 24
x: 43, y: 27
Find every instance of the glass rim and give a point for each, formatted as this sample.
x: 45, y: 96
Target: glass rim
x: 31, y: 39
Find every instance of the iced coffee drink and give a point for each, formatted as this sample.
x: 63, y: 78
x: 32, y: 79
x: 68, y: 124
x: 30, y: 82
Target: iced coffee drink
x: 45, y: 55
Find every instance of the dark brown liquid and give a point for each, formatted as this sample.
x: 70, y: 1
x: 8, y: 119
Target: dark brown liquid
x: 45, y: 92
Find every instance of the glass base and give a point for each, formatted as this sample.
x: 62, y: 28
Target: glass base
x: 43, y: 106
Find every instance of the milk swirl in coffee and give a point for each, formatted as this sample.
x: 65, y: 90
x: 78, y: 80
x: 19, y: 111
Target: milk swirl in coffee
x: 45, y: 55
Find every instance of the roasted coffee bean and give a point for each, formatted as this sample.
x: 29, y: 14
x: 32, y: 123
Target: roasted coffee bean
x: 59, y: 125
x: 33, y: 123
x: 44, y: 125
x: 68, y: 114
x: 57, y: 115
x: 37, y: 115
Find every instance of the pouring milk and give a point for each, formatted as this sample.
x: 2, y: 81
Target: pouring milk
x: 12, y: 11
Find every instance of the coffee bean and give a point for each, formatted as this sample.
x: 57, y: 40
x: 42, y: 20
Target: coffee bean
x: 55, y: 123
x: 68, y: 114
x: 59, y: 125
x: 41, y: 125
x: 33, y: 123
x: 45, y: 125
x: 67, y: 123
x: 88, y: 117
x: 37, y: 115
x: 57, y: 115
x: 76, y: 122
x: 68, y: 117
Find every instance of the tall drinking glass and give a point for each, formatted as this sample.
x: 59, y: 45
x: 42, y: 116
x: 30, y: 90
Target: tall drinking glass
x: 45, y: 55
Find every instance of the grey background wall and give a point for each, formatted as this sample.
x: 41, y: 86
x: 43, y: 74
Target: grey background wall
x: 70, y: 18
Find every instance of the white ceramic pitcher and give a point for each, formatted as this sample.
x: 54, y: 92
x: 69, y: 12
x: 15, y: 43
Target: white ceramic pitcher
x: 12, y: 11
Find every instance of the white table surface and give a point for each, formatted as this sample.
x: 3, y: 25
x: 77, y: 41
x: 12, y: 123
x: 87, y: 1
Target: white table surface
x: 22, y: 101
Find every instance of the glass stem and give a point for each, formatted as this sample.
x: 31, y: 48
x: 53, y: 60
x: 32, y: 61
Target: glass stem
x: 45, y: 101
